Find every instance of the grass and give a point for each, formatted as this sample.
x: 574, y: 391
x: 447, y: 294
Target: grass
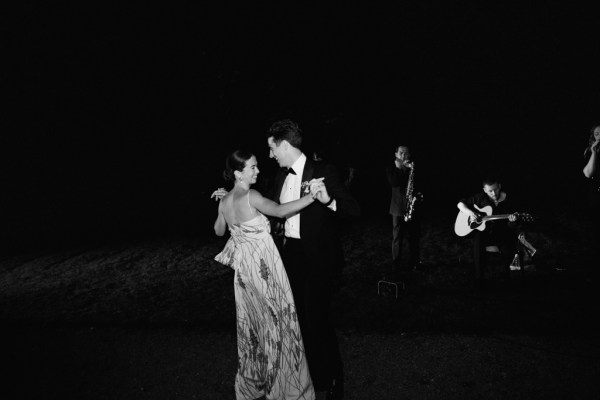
x: 154, y: 319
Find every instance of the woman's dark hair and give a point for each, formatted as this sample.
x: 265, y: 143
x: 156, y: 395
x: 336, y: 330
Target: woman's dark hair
x: 592, y: 138
x: 591, y: 141
x: 236, y: 161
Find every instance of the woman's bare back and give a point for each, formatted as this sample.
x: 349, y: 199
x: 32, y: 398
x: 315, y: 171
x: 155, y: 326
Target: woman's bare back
x: 236, y: 208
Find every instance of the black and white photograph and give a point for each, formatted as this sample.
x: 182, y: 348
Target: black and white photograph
x: 297, y: 200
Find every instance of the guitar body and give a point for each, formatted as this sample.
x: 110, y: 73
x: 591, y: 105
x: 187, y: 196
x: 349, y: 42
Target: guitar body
x: 465, y: 225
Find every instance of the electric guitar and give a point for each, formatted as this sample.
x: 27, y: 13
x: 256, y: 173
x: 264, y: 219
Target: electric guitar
x: 465, y: 224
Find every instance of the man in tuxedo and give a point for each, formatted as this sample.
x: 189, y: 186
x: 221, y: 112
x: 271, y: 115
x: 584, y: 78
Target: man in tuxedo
x: 309, y: 250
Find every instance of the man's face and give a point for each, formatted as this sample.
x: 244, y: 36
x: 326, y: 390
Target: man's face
x: 493, y: 191
x: 403, y: 154
x: 278, y: 152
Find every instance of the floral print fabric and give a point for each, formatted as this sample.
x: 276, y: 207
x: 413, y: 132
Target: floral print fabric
x: 271, y: 359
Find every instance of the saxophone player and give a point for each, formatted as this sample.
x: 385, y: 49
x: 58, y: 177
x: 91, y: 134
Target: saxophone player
x: 405, y: 221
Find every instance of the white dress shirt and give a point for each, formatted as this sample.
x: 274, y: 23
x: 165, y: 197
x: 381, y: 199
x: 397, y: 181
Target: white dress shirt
x: 290, y: 192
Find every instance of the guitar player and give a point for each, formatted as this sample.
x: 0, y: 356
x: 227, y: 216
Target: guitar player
x: 501, y: 233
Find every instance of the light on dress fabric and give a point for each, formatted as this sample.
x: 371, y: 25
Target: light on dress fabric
x: 271, y: 358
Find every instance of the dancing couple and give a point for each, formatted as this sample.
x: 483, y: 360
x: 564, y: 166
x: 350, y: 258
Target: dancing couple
x: 287, y: 347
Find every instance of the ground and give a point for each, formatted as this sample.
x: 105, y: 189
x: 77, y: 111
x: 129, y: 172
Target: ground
x: 154, y: 319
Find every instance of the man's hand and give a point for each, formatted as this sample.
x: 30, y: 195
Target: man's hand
x: 319, y: 191
x: 219, y: 194
x: 475, y: 216
x: 512, y: 217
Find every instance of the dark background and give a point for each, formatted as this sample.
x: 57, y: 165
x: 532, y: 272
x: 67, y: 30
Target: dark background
x: 118, y: 115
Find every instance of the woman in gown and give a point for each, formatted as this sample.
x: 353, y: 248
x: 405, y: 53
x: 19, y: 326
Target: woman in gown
x: 591, y: 171
x: 271, y: 359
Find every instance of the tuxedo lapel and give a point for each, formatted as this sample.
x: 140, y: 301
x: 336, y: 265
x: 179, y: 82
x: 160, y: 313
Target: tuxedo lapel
x: 279, y: 180
x: 309, y: 170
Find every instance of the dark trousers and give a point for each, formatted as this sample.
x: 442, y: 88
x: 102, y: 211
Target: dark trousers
x: 594, y: 218
x: 506, y: 244
x: 311, y: 287
x: 411, y: 231
x: 593, y: 233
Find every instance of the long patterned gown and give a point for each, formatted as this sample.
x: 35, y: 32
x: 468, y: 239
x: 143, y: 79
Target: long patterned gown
x: 271, y: 359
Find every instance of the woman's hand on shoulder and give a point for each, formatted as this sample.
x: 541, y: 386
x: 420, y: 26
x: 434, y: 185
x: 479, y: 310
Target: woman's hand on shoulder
x: 219, y: 194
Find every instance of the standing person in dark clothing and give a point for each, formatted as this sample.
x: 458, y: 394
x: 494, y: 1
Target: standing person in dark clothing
x: 591, y: 171
x: 500, y: 232
x: 311, y: 250
x: 405, y: 222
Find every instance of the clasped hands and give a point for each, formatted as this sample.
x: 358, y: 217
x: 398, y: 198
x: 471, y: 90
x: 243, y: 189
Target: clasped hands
x: 317, y: 189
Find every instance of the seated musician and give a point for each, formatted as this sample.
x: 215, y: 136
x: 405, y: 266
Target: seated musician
x: 501, y: 232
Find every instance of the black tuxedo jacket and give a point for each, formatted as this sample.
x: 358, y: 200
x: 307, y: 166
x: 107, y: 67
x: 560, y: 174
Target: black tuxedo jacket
x: 398, y: 181
x: 318, y: 230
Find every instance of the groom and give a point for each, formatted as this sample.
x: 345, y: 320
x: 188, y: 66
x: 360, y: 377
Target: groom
x: 310, y: 247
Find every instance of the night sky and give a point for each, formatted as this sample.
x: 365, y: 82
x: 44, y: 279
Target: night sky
x: 120, y: 114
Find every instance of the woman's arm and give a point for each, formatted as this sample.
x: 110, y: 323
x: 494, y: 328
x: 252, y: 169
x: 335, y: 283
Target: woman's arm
x: 220, y: 223
x: 269, y: 207
x: 591, y: 168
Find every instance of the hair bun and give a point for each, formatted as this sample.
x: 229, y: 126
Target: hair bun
x: 228, y: 175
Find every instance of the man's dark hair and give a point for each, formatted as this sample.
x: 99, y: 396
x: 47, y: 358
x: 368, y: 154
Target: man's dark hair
x: 490, y: 180
x: 288, y: 130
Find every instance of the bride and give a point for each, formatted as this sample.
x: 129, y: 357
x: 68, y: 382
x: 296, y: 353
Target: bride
x: 271, y: 359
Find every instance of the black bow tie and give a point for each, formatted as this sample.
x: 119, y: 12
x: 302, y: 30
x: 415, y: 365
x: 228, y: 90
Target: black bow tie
x: 290, y: 171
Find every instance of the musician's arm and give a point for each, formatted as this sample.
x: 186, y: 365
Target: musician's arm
x: 464, y: 207
x: 591, y: 168
x: 392, y: 176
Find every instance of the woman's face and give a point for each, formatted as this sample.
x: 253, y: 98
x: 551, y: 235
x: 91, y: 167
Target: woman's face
x: 250, y: 171
x: 596, y: 133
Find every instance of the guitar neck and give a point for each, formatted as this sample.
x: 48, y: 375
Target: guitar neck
x: 493, y: 217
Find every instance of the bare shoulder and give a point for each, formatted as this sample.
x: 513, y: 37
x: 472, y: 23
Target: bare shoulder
x: 226, y: 201
x: 255, y: 194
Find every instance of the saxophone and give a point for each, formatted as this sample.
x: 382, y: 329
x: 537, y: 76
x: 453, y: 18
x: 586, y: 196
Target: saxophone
x: 410, y: 198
